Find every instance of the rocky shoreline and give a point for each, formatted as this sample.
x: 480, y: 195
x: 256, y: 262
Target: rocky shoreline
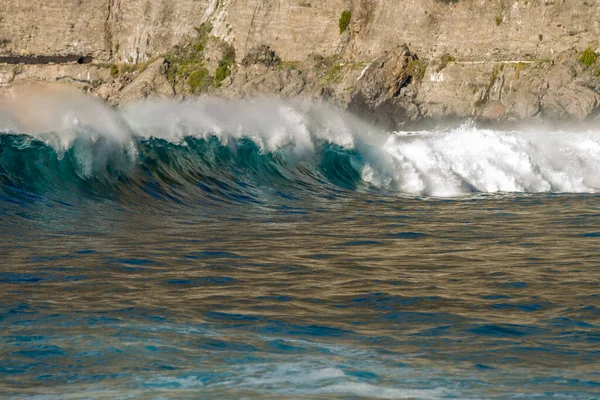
x: 399, y: 86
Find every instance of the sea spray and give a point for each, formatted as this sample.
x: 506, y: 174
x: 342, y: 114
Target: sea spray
x: 299, y: 144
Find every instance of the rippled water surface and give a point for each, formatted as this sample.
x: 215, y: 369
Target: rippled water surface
x: 221, y: 265
x: 354, y: 296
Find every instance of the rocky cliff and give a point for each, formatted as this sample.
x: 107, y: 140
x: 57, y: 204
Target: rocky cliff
x: 394, y: 62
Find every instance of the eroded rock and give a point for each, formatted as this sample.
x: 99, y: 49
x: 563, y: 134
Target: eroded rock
x: 263, y: 55
x: 7, y: 74
x: 152, y: 82
x: 379, y: 95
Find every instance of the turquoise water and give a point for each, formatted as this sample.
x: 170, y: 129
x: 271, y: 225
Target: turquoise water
x: 279, y: 251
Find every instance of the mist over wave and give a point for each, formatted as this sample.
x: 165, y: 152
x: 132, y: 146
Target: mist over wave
x: 54, y: 140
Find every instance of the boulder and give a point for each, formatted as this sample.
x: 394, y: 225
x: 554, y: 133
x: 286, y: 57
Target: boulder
x: 381, y: 94
x: 572, y: 102
x: 385, y: 77
x: 263, y: 55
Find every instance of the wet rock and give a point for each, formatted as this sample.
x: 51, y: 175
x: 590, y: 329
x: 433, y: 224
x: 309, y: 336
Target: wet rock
x: 524, y: 105
x: 494, y: 110
x: 572, y: 102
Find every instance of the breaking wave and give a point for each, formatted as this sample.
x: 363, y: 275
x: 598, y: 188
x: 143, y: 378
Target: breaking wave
x: 220, y: 150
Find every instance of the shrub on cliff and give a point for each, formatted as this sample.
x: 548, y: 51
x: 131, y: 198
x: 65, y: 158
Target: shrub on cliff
x: 588, y: 57
x: 416, y: 69
x: 199, y: 80
x: 228, y: 53
x: 345, y: 20
x: 520, y: 67
x: 222, y: 72
x: 188, y: 57
x: 333, y: 75
x: 444, y: 61
x: 203, y: 32
x: 114, y: 70
x: 227, y: 61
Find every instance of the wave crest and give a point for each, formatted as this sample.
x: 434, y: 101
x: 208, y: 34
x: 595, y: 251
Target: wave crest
x: 240, y: 150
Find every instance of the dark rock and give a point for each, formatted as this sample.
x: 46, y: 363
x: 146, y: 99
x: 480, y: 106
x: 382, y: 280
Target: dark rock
x: 262, y: 54
x: 380, y: 94
x: 385, y: 77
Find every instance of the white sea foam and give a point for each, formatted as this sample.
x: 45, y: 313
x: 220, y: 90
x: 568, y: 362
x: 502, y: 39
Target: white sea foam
x: 469, y: 159
x: 314, y: 379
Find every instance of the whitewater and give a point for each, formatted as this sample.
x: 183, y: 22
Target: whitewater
x: 301, y: 141
x: 264, y: 248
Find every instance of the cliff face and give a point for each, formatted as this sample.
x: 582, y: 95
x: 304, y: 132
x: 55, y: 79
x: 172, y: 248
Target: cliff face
x: 53, y: 27
x: 469, y: 29
x: 141, y: 29
x: 514, y: 59
x: 132, y: 30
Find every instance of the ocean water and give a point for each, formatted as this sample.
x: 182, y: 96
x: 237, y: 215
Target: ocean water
x: 266, y: 249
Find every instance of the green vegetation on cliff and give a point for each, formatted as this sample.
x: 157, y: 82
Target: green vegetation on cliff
x: 333, y: 75
x: 416, y: 68
x: 188, y: 59
x: 588, y: 57
x: 203, y: 32
x: 520, y: 67
x: 199, y: 80
x: 345, y: 20
x: 123, y: 70
x: 224, y: 69
x: 187, y: 62
x: 114, y: 70
x: 444, y: 61
x: 288, y: 65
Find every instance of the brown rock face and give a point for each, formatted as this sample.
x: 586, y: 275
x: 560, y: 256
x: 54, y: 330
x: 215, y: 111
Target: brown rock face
x: 494, y: 59
x: 53, y: 27
x: 385, y: 77
x: 263, y: 55
x: 380, y: 95
x: 128, y: 31
x: 137, y: 30
x: 152, y: 82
